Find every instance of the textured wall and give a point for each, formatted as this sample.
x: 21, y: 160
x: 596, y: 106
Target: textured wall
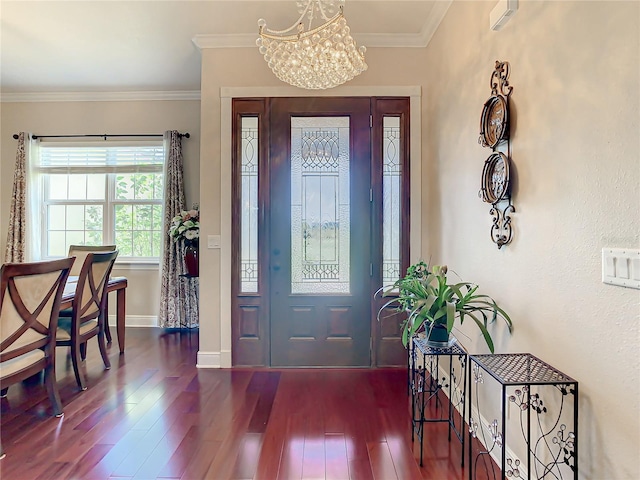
x: 576, y: 153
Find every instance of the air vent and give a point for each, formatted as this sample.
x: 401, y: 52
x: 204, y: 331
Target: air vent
x: 501, y: 13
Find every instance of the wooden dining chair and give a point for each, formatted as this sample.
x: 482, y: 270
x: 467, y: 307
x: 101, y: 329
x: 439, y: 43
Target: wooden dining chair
x: 30, y: 295
x: 86, y: 319
x: 81, y: 252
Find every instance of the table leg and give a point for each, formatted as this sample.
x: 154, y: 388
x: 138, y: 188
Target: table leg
x: 120, y: 317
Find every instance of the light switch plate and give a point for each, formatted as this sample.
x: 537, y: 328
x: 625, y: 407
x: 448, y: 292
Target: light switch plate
x: 213, y: 241
x: 621, y: 266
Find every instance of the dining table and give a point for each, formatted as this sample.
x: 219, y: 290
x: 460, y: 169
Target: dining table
x: 116, y: 284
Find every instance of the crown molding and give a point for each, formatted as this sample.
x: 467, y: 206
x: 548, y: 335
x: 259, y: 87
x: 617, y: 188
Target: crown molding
x: 440, y: 9
x: 98, y: 96
x: 376, y: 40
x: 342, y: 90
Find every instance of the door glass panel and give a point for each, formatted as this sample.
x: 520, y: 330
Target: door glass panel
x: 391, y: 174
x: 249, y: 209
x: 320, y: 205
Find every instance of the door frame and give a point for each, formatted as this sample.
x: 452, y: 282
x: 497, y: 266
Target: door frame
x: 227, y: 94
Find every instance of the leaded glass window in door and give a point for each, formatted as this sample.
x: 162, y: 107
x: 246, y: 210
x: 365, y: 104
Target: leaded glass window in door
x: 249, y: 209
x: 320, y: 236
x: 391, y: 194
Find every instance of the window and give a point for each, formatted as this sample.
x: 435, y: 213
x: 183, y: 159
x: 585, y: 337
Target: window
x: 249, y: 177
x: 391, y: 199
x: 106, y: 194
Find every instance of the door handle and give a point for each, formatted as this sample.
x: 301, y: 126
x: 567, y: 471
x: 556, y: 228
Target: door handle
x: 276, y: 267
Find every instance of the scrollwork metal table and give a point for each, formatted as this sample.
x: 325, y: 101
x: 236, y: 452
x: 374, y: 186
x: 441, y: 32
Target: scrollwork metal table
x: 425, y: 385
x: 541, y: 396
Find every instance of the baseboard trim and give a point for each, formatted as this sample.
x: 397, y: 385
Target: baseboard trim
x: 225, y: 358
x: 136, y: 320
x: 209, y: 360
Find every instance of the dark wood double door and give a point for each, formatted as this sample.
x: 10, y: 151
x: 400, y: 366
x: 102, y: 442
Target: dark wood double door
x: 312, y: 226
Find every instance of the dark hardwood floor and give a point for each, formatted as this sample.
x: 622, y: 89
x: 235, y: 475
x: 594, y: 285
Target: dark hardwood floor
x: 155, y: 415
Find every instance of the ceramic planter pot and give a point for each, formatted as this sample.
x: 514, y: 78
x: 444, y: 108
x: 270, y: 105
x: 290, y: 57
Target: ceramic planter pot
x: 191, y: 260
x: 437, y: 336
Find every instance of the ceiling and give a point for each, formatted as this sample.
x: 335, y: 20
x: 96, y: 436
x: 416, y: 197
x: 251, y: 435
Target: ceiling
x: 141, y: 45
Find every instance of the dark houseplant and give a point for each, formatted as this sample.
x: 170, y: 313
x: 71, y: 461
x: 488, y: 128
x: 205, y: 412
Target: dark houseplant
x: 433, y: 304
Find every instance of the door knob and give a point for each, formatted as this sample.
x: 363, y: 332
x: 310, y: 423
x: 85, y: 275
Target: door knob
x: 276, y: 267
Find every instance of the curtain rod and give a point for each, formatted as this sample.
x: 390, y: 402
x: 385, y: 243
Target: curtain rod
x: 104, y: 135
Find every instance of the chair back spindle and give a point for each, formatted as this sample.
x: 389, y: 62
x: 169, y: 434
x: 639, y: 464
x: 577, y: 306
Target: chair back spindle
x: 81, y: 252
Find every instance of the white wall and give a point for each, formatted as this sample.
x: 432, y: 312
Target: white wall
x: 57, y: 118
x: 576, y: 134
x: 575, y: 71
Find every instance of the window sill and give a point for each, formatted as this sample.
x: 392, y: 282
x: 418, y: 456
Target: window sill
x: 152, y: 265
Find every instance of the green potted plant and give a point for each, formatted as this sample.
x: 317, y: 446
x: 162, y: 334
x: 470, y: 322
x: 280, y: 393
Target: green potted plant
x: 432, y: 305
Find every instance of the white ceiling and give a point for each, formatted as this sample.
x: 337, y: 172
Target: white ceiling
x: 150, y: 45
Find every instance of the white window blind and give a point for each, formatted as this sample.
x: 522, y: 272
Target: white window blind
x: 129, y: 158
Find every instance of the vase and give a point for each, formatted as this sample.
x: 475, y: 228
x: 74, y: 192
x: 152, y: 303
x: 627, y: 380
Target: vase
x: 437, y: 335
x: 191, y: 260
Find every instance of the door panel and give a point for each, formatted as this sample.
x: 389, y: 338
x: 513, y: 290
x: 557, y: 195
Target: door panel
x: 390, y: 184
x: 320, y: 232
x: 250, y: 282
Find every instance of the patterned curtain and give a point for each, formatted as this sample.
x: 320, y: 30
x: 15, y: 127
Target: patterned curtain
x: 16, y: 237
x: 178, y: 295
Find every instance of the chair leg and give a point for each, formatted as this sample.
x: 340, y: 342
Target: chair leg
x: 52, y: 389
x: 75, y: 358
x: 103, y: 350
x: 83, y: 351
x: 107, y: 330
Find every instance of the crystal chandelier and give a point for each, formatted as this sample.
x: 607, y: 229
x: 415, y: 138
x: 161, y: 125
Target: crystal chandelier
x: 320, y: 57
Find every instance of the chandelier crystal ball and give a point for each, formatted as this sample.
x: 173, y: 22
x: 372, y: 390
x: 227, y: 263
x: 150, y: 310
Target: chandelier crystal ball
x: 318, y: 58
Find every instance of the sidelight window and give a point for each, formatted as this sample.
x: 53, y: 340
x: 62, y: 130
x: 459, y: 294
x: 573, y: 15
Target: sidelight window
x: 249, y: 205
x: 391, y: 195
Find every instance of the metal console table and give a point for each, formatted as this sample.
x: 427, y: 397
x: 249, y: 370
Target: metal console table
x: 537, y: 400
x: 425, y: 387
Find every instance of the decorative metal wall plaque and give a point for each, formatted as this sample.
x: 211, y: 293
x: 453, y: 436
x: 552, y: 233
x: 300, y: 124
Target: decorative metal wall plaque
x: 494, y: 133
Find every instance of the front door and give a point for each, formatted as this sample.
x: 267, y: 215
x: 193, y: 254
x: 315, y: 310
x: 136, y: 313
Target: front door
x: 320, y: 221
x: 320, y: 153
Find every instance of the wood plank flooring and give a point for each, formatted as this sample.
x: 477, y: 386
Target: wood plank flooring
x: 155, y: 415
